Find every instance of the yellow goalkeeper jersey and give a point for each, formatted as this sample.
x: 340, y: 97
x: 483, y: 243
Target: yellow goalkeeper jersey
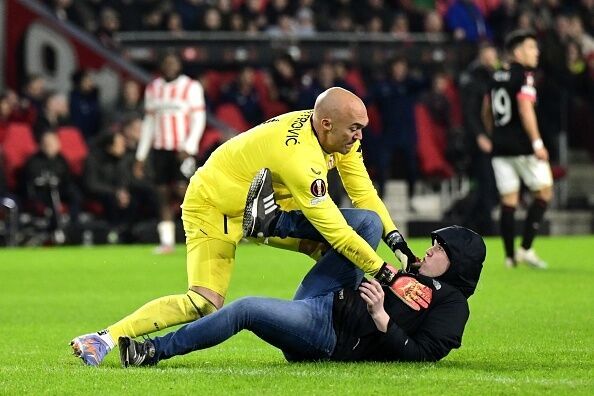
x: 288, y: 146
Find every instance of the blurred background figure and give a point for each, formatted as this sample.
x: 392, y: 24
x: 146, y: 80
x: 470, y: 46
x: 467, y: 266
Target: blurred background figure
x: 173, y: 125
x: 49, y: 188
x: 85, y: 111
x: 109, y: 179
x: 54, y: 115
x: 474, y: 86
x: 395, y: 97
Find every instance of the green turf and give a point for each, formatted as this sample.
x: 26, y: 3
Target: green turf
x: 530, y: 332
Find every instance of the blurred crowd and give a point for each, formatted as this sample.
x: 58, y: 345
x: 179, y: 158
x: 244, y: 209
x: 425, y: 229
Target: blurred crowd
x: 417, y: 118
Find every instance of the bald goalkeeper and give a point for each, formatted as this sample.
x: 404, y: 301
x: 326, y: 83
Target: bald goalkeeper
x: 298, y: 149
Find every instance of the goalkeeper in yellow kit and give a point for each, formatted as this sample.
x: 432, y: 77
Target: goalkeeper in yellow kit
x: 298, y: 149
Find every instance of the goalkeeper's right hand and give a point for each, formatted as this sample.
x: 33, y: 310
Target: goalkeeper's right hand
x: 413, y: 293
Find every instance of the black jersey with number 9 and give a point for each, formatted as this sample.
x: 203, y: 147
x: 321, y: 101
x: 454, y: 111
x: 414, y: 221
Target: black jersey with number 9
x: 507, y: 87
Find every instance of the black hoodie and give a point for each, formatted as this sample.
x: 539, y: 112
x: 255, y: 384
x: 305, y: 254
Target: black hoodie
x: 426, y: 335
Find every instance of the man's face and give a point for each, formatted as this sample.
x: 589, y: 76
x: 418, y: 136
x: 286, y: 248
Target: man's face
x: 527, y: 53
x: 171, y: 67
x: 342, y: 131
x: 50, y: 144
x: 435, y: 263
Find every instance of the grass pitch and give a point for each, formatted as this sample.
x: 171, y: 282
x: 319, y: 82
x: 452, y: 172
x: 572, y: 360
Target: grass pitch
x: 530, y: 332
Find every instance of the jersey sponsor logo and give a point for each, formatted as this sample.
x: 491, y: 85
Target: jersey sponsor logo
x: 436, y: 284
x: 318, y: 188
x: 317, y: 172
x: 292, y: 136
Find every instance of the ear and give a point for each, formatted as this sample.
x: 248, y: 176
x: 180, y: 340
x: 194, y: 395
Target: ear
x: 326, y: 124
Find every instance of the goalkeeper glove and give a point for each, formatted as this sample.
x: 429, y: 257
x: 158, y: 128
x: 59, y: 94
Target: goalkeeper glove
x: 396, y: 242
x: 413, y: 293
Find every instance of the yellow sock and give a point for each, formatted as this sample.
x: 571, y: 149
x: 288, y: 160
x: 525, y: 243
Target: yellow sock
x: 162, y: 313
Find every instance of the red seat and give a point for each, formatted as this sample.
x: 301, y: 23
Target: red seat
x: 355, y: 80
x: 74, y: 149
x: 231, y: 115
x: 431, y: 146
x: 18, y: 146
x: 210, y: 138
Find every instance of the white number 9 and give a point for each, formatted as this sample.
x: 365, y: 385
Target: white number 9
x: 502, y: 106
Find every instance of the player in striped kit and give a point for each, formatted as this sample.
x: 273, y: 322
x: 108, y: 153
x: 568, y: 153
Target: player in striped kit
x: 173, y: 125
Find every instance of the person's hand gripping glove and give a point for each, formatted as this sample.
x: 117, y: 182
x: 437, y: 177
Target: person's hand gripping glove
x: 413, y: 293
x: 396, y: 242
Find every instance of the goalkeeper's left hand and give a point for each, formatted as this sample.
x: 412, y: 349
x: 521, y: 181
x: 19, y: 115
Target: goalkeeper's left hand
x: 412, y: 292
x: 396, y: 242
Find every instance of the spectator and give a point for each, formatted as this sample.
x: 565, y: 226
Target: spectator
x: 48, y: 184
x: 174, y: 24
x: 275, y: 9
x: 466, y: 22
x: 502, y: 19
x: 325, y: 78
x: 236, y: 22
x: 244, y: 95
x: 109, y: 180
x: 110, y: 24
x: 252, y: 12
x: 305, y: 24
x: 128, y: 104
x: 190, y: 11
x: 433, y: 22
x: 285, y: 81
x: 212, y: 21
x: 395, y: 98
x: 67, y: 11
x: 400, y: 25
x: 85, y: 110
x: 55, y: 114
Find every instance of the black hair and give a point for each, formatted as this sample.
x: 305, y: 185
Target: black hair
x: 516, y: 38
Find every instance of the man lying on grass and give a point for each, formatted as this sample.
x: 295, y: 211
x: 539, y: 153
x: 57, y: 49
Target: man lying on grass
x: 337, y: 315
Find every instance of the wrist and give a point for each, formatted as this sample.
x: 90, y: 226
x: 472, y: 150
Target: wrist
x: 386, y: 274
x: 537, y: 144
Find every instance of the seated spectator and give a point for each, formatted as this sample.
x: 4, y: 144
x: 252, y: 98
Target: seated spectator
x: 324, y: 79
x: 242, y: 92
x: 285, y: 80
x: 109, y: 180
x: 48, y: 184
x: 433, y: 23
x: 173, y: 24
x: 129, y: 103
x: 54, y: 115
x: 212, y: 20
x: 85, y: 110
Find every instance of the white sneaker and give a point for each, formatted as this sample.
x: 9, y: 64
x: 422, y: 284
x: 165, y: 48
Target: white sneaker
x: 510, y: 263
x: 530, y: 258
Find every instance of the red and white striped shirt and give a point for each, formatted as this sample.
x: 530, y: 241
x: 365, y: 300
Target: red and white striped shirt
x: 175, y: 116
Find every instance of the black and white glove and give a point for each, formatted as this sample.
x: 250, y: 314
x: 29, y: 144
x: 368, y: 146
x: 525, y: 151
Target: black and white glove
x: 396, y: 242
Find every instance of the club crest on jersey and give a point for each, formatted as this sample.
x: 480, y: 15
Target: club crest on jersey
x: 318, y: 188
